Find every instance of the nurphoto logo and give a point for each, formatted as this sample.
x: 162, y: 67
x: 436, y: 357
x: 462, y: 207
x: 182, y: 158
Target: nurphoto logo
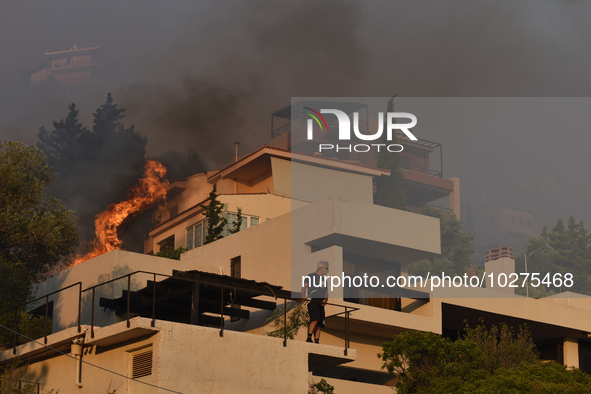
x: 345, y: 129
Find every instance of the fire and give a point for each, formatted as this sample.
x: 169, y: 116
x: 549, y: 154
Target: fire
x: 150, y: 189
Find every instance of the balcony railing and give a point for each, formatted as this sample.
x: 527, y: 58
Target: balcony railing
x: 418, y: 204
x: 422, y: 170
x: 16, y: 309
x: 157, y: 296
x: 11, y: 386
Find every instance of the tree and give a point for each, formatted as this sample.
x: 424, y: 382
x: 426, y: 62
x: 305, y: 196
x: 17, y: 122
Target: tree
x: 171, y: 253
x: 94, y: 167
x: 213, y: 214
x: 36, y: 231
x: 13, y: 380
x: 389, y: 191
x: 321, y: 387
x: 457, y: 247
x: 484, y: 360
x: 564, y: 250
x: 297, y: 317
x: 237, y: 224
x: 61, y: 146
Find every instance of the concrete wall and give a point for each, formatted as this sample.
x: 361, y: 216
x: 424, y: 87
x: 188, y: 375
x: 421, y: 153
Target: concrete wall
x: 314, y: 183
x: 101, y: 269
x: 196, y: 359
x: 263, y: 206
x: 186, y: 359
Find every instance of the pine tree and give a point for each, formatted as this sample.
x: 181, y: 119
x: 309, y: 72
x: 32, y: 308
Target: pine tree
x: 389, y: 191
x: 564, y: 250
x: 213, y: 214
x: 62, y: 145
x: 457, y: 247
x: 237, y: 224
x: 93, y: 167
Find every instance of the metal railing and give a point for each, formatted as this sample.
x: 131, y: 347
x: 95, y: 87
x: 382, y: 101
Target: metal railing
x: 347, y: 309
x: 421, y: 170
x: 270, y: 293
x: 418, y: 204
x: 280, y: 130
x: 12, y: 384
x: 46, y: 297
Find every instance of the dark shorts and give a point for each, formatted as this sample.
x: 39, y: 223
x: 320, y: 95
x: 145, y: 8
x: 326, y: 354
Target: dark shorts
x: 316, y: 312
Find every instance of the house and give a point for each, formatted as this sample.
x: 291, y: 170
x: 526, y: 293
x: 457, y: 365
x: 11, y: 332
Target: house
x: 139, y: 323
x: 72, y: 67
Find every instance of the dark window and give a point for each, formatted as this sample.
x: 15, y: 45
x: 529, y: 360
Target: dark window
x: 585, y: 356
x: 167, y: 242
x: 552, y: 351
x: 235, y: 267
x: 354, y: 265
x: 236, y: 272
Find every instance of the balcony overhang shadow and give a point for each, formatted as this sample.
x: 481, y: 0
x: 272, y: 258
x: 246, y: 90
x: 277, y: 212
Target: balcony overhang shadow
x: 369, y: 248
x: 183, y: 301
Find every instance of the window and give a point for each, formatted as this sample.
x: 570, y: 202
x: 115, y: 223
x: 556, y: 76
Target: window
x: 196, y: 235
x: 513, y: 220
x: 166, y: 243
x: 190, y: 238
x: 522, y: 222
x: 247, y: 221
x: 230, y: 225
x: 236, y: 267
x: 199, y: 233
x: 235, y: 272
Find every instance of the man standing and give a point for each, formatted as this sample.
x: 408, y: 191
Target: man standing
x: 315, y: 285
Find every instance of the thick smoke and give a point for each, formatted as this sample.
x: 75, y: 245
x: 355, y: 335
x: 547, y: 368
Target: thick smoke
x: 198, y: 76
x: 286, y: 51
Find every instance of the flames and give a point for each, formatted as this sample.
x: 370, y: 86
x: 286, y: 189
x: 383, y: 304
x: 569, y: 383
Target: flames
x: 150, y: 189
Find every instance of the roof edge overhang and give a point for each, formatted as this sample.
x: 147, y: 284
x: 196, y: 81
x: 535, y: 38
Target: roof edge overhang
x: 300, y: 158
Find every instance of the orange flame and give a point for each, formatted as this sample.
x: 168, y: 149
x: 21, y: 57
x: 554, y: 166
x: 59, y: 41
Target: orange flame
x: 150, y: 189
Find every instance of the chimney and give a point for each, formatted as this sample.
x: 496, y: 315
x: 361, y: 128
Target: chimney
x: 498, y: 253
x: 499, y: 261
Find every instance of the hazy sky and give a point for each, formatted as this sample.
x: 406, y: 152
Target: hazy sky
x: 205, y: 74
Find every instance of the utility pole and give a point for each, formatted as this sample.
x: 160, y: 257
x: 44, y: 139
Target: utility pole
x: 532, y: 254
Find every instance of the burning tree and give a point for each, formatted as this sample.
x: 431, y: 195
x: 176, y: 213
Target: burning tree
x: 150, y: 189
x: 213, y: 214
x: 94, y: 166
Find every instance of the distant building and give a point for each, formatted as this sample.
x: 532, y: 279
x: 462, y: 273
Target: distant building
x: 199, y: 324
x: 495, y: 226
x: 423, y: 177
x: 75, y: 66
x: 124, y: 320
